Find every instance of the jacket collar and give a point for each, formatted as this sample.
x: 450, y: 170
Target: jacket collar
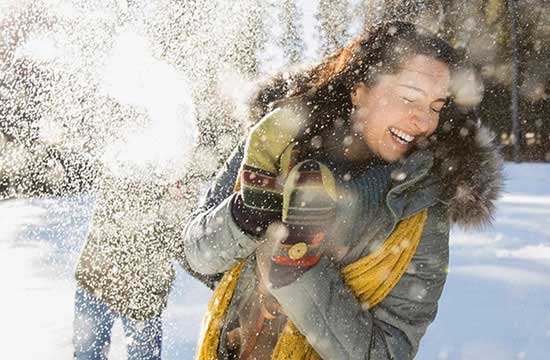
x: 411, y: 190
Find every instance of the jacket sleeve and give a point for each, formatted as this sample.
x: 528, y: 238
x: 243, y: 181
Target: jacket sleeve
x: 213, y: 242
x: 338, y: 327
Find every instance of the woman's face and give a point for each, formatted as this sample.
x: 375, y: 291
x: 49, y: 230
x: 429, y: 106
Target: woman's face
x: 401, y: 108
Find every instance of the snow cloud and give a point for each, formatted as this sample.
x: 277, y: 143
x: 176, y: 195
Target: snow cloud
x: 539, y: 252
x: 512, y: 276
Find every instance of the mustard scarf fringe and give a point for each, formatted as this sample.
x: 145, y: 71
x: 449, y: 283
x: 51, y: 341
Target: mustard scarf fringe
x: 370, y: 278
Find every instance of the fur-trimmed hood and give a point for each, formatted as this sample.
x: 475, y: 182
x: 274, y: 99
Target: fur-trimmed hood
x: 470, y: 167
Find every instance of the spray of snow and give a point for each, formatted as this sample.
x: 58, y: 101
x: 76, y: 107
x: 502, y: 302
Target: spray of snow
x: 133, y: 76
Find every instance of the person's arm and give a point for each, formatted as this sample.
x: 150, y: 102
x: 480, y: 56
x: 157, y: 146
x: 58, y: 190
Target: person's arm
x: 213, y: 242
x: 338, y: 327
x: 225, y: 231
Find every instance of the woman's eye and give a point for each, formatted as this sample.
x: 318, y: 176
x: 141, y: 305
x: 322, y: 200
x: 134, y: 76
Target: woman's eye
x: 406, y: 100
x: 436, y: 109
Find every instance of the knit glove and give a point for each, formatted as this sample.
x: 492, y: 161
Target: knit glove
x: 289, y: 209
x: 259, y: 201
x: 295, y: 245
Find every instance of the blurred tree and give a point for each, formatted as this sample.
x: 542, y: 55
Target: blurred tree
x: 333, y: 21
x: 427, y: 13
x: 292, y: 39
x: 218, y: 46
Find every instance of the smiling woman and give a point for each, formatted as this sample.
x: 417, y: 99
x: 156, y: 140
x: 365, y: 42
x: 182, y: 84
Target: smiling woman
x: 336, y: 239
x: 401, y: 108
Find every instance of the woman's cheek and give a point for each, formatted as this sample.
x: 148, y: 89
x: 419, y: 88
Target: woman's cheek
x: 397, y: 113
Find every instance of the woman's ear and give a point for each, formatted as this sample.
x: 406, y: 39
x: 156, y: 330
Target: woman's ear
x: 358, y: 94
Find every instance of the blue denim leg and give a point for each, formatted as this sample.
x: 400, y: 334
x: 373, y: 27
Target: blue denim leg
x: 144, y: 338
x: 92, y: 326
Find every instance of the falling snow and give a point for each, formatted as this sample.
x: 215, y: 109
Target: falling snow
x: 118, y: 113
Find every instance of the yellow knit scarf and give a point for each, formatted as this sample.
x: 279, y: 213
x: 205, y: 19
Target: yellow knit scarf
x: 370, y: 278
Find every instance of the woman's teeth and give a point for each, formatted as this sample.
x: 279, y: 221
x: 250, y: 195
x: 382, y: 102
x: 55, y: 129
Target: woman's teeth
x: 401, y: 137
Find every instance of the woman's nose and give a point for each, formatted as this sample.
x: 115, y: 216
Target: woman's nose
x: 420, y: 121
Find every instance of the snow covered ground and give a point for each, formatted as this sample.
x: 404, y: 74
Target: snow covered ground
x: 496, y: 304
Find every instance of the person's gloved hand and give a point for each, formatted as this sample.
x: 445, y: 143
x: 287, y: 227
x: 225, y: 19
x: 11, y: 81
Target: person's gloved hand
x: 259, y: 201
x: 296, y: 244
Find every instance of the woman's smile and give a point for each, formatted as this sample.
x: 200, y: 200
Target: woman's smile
x: 400, y: 136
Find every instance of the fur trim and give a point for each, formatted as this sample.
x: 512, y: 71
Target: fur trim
x: 470, y: 166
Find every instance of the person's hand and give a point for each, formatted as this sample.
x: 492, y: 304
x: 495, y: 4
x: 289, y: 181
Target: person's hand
x: 295, y: 244
x: 259, y: 201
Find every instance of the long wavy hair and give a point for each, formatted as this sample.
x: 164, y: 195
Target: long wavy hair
x: 323, y: 92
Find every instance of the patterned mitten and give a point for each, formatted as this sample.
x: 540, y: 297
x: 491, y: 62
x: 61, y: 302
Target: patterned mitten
x: 259, y: 201
x: 309, y: 207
